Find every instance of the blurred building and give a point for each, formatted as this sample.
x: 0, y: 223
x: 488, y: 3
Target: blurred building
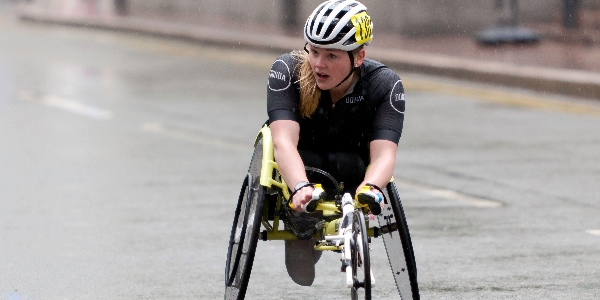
x: 411, y: 18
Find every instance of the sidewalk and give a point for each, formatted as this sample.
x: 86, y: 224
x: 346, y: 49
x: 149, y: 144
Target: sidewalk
x: 563, y: 67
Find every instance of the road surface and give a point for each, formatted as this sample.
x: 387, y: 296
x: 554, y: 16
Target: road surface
x: 121, y: 157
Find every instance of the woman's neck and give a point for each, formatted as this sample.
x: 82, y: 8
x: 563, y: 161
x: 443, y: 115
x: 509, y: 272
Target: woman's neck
x: 338, y: 92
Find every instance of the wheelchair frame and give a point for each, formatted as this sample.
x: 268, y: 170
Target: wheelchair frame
x: 244, y: 236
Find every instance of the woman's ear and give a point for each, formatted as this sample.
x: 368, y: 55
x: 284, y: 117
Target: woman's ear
x: 359, y: 58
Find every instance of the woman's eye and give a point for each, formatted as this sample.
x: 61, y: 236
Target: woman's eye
x: 332, y: 56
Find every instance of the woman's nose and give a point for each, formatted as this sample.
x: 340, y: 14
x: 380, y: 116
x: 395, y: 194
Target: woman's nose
x: 319, y: 62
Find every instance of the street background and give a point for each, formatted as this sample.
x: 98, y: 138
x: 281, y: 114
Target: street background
x: 122, y: 153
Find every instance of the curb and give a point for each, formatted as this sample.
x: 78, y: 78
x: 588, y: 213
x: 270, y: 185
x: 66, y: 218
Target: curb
x: 550, y: 80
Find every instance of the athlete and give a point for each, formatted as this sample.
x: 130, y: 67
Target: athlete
x: 332, y: 108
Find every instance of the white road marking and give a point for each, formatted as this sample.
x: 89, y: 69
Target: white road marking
x: 195, y: 137
x: 78, y: 108
x: 593, y: 231
x: 448, y: 194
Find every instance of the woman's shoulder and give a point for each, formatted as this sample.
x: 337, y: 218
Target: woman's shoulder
x: 285, y: 66
x: 379, y: 80
x: 373, y: 68
x: 289, y: 59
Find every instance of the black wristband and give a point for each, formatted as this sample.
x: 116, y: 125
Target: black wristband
x: 301, y: 187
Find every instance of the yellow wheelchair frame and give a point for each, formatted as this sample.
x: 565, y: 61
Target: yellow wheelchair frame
x: 270, y: 178
x: 253, y: 211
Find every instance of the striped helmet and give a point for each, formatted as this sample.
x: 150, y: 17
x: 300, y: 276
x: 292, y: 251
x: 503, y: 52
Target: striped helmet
x: 339, y: 24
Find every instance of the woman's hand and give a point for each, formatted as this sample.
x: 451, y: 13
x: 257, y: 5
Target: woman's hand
x: 372, y: 189
x: 303, y: 196
x: 371, y: 197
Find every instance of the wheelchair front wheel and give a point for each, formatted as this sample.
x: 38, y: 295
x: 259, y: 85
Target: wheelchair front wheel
x: 361, y: 260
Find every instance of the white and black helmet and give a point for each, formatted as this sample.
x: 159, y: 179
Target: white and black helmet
x: 339, y: 24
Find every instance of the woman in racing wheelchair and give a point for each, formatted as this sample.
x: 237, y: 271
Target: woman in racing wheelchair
x: 332, y: 108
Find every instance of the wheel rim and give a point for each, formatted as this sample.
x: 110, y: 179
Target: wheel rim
x: 239, y: 274
x: 244, y: 235
x: 361, y: 264
x: 238, y: 233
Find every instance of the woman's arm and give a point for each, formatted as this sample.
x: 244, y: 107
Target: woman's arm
x: 285, y: 135
x: 383, y: 158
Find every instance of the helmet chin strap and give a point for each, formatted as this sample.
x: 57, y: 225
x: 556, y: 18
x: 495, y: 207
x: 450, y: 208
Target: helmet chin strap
x: 352, y: 68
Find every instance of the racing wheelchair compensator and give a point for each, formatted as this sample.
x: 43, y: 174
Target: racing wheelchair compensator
x: 341, y: 226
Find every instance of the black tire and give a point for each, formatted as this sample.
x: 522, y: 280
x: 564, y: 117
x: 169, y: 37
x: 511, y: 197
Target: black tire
x: 245, y: 230
x: 360, y: 257
x: 398, y: 245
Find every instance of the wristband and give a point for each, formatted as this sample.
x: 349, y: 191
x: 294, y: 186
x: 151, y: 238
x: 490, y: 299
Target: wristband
x: 300, y: 185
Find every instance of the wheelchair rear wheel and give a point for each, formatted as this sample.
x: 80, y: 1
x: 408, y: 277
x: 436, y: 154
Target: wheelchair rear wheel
x: 245, y: 229
x: 361, y: 260
x: 398, y: 245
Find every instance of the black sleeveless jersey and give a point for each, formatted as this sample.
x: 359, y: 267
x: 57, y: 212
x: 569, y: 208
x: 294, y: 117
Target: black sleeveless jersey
x: 373, y: 110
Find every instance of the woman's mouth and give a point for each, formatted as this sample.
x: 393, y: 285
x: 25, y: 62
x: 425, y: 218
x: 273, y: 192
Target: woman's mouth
x: 321, y: 76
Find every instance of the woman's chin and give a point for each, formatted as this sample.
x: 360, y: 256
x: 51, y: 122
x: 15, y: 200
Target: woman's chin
x: 323, y: 86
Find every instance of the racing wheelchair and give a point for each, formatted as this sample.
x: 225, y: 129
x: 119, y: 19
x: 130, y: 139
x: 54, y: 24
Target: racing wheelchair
x: 342, y: 227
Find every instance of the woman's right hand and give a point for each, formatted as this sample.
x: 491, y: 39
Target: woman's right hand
x: 303, y: 196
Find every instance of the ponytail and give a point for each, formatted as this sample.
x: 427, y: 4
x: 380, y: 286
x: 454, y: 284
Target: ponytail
x: 309, y: 92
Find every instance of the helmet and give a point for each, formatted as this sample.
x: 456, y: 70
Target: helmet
x: 339, y: 24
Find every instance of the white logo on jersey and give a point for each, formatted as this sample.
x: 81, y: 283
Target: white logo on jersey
x: 277, y: 75
x: 281, y: 79
x: 397, y: 98
x: 356, y: 99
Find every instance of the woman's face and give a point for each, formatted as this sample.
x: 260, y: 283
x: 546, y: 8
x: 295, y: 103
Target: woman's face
x: 329, y: 66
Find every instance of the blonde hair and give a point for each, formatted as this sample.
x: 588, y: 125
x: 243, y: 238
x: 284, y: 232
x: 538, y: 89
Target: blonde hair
x: 309, y: 91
